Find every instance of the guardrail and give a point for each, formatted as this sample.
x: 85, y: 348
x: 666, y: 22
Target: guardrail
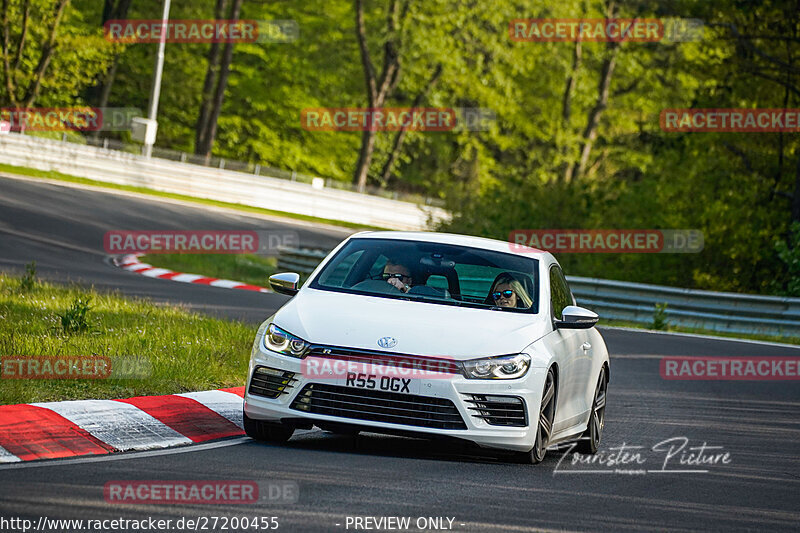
x: 635, y: 302
x: 256, y: 190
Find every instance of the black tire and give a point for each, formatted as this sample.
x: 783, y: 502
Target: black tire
x: 590, y: 441
x: 544, y: 427
x: 263, y: 431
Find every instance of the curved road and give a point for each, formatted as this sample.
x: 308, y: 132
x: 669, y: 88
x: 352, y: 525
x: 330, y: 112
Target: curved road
x: 756, y: 423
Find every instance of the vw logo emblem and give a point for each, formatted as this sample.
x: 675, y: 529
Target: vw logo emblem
x: 387, y: 342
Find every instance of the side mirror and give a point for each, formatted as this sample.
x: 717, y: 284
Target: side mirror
x: 576, y: 318
x: 285, y: 283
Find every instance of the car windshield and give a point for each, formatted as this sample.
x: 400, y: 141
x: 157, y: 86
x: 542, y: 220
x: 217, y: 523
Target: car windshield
x: 433, y: 273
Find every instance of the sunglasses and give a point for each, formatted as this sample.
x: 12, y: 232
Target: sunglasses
x: 502, y: 294
x: 387, y: 276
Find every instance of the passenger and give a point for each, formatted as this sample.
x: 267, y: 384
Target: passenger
x: 509, y: 292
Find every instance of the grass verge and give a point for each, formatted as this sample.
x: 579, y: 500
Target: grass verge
x: 33, y: 173
x: 185, y: 351
x: 247, y: 268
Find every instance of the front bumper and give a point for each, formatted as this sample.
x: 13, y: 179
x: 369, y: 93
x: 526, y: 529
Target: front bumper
x: 438, y: 388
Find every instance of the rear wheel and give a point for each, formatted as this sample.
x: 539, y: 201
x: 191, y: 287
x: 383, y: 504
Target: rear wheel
x: 544, y: 428
x: 263, y: 431
x: 597, y: 418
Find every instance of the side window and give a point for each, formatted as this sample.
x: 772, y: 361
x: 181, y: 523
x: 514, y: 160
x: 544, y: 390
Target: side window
x: 438, y: 282
x: 335, y: 277
x: 377, y: 267
x: 560, y: 295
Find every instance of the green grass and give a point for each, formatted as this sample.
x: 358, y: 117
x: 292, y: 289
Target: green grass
x: 248, y: 268
x: 699, y: 331
x: 33, y: 173
x: 185, y: 351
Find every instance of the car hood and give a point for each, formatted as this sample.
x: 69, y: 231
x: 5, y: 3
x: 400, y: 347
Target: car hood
x: 356, y: 321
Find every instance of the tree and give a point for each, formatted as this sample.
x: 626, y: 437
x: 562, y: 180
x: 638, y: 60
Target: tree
x: 216, y: 78
x: 400, y: 136
x: 47, y: 53
x: 100, y: 92
x: 379, y: 85
x: 23, y: 87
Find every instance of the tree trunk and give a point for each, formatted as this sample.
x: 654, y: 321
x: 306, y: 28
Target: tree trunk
x: 378, y: 90
x: 796, y: 195
x: 590, y: 134
x: 364, y: 158
x: 212, y: 72
x: 47, y: 55
x: 105, y: 89
x: 401, y: 135
x: 10, y: 81
x: 101, y: 91
x: 576, y: 170
x: 219, y: 93
x: 566, y: 105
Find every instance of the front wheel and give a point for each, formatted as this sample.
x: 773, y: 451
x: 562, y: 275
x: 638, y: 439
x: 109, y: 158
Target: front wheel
x: 545, y: 426
x: 263, y: 431
x: 590, y: 440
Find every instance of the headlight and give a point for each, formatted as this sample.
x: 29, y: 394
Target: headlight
x: 503, y: 367
x: 283, y: 342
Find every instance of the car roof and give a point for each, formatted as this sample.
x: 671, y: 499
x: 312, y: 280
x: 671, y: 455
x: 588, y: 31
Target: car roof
x: 458, y: 240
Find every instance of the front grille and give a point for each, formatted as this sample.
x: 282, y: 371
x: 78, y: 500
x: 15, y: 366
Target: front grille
x: 378, y: 406
x: 270, y: 382
x: 498, y: 410
x: 415, y: 362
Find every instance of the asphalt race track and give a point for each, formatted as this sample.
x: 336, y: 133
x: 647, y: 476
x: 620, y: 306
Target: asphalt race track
x: 756, y: 423
x: 62, y: 228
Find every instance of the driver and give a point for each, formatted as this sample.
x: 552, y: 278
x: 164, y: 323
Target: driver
x: 397, y: 275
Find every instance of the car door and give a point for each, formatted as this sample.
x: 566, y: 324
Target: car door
x: 582, y: 357
x: 566, y: 345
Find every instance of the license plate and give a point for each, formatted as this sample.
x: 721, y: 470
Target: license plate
x: 382, y: 383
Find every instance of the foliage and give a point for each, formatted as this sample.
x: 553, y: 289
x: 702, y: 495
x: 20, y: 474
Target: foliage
x: 790, y: 255
x: 28, y: 281
x: 660, y: 317
x: 78, y: 55
x: 73, y: 320
x: 737, y: 188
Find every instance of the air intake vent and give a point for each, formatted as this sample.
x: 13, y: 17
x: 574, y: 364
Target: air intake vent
x: 270, y: 382
x: 378, y: 406
x: 498, y: 410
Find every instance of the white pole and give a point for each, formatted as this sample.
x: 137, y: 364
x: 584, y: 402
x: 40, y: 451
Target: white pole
x: 155, y: 90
